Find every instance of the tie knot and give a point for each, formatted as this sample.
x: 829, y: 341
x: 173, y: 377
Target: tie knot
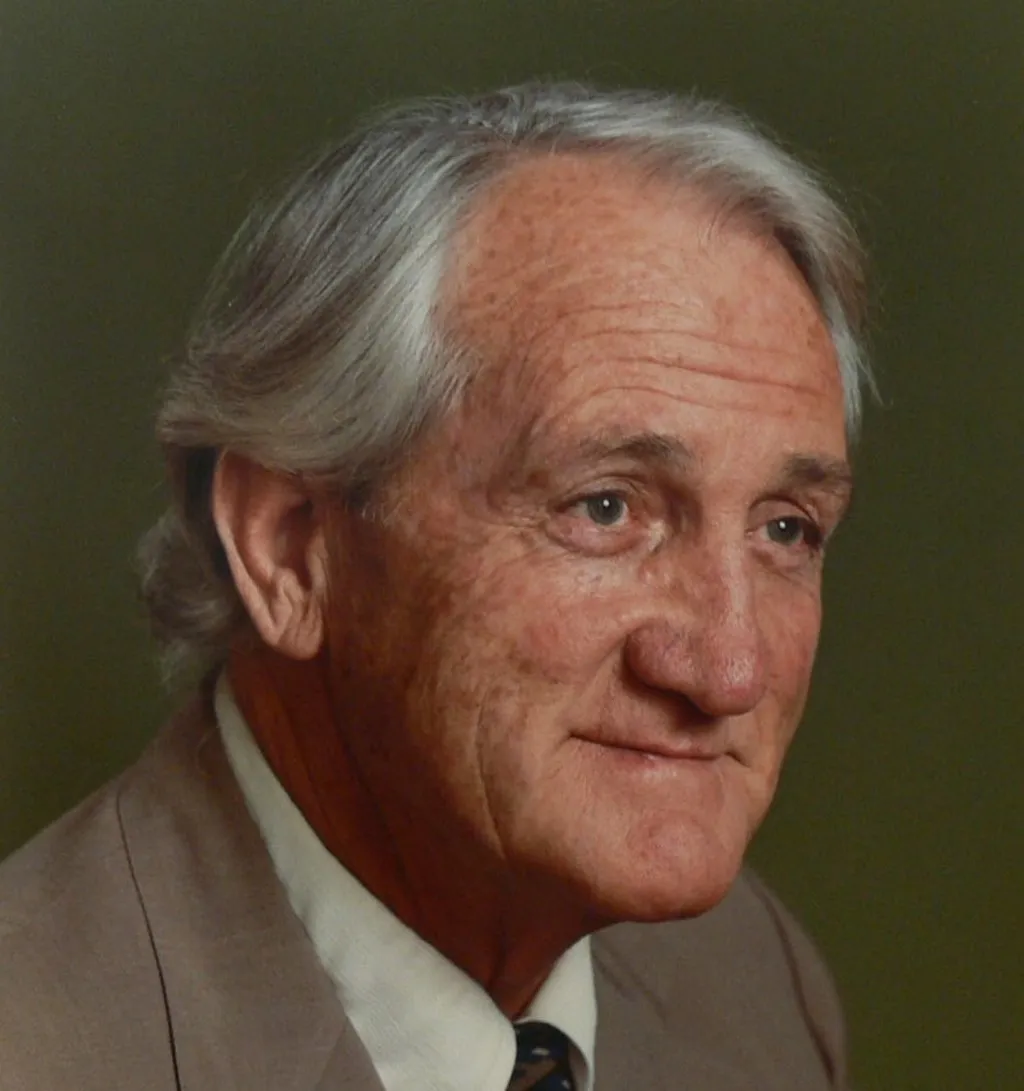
x: 542, y: 1059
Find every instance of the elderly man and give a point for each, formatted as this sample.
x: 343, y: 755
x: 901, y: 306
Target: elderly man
x: 504, y: 458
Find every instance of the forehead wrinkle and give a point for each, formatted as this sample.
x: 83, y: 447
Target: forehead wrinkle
x: 527, y: 328
x: 526, y: 332
x: 640, y: 325
x: 544, y: 286
x: 702, y: 367
x: 523, y: 357
x: 546, y: 440
x: 711, y: 337
x: 677, y: 362
x: 529, y: 259
x: 726, y: 374
x: 532, y: 230
x: 539, y: 437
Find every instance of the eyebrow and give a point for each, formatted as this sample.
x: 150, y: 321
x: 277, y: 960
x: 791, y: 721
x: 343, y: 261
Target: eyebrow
x: 650, y: 447
x: 824, y: 472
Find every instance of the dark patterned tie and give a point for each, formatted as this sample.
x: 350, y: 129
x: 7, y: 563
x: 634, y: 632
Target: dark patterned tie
x: 542, y: 1059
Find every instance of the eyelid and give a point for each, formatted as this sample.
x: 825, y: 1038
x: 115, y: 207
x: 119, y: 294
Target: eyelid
x: 815, y: 532
x: 581, y: 502
x: 622, y: 489
x: 803, y: 507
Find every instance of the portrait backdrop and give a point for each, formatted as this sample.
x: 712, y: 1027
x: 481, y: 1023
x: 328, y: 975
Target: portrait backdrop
x: 133, y: 135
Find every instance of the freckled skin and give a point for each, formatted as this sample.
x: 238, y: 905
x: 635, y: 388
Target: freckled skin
x: 548, y: 724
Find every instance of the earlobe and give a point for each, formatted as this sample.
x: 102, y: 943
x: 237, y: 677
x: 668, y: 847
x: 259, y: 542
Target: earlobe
x: 273, y: 541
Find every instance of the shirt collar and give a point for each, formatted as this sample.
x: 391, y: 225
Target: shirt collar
x: 426, y: 1025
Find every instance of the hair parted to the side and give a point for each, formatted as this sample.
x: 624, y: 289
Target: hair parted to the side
x: 317, y: 351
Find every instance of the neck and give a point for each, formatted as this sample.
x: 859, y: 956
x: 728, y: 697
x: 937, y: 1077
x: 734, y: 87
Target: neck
x: 503, y: 935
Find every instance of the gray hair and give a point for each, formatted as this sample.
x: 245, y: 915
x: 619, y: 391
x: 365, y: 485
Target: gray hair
x: 317, y: 351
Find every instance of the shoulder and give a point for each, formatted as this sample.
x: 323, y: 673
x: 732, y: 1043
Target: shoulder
x: 811, y: 980
x: 743, y: 982
x: 76, y: 957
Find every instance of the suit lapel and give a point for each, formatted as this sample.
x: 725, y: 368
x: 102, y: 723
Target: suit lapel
x: 648, y: 1036
x: 630, y: 1021
x: 708, y: 1003
x: 348, y: 1067
x: 249, y: 1006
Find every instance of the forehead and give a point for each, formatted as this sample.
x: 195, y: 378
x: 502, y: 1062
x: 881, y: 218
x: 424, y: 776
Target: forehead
x: 580, y: 269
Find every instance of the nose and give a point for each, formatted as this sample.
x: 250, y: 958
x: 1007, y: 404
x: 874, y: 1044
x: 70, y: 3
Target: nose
x: 706, y: 644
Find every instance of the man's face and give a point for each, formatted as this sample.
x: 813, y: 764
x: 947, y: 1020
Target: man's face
x: 576, y: 648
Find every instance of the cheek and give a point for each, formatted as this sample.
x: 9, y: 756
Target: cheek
x: 792, y: 643
x: 545, y: 613
x: 566, y: 627
x: 498, y: 672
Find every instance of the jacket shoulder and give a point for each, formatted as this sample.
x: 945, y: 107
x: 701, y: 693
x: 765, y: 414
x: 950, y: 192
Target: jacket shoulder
x: 748, y: 999
x: 80, y: 990
x: 811, y: 978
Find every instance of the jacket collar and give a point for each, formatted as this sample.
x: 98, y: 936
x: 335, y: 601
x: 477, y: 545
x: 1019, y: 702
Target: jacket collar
x: 248, y: 1004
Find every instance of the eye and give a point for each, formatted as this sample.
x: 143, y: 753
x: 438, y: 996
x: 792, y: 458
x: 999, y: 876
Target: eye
x: 606, y: 509
x: 792, y: 530
x: 605, y: 522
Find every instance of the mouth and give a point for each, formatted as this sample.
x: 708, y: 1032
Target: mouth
x: 682, y: 750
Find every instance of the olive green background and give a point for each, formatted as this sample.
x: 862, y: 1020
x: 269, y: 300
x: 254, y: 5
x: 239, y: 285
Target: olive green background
x: 132, y: 135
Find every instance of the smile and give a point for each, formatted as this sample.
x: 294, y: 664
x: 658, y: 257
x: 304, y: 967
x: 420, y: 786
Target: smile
x: 681, y: 750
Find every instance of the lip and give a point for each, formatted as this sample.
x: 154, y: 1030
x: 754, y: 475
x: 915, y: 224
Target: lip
x: 681, y: 750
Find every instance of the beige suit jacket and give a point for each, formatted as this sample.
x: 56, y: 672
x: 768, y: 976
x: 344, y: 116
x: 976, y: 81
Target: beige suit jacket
x: 145, y: 942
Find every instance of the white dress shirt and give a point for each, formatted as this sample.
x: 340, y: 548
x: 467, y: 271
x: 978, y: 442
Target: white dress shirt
x: 426, y: 1025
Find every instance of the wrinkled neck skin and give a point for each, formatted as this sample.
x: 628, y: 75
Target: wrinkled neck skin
x: 503, y: 932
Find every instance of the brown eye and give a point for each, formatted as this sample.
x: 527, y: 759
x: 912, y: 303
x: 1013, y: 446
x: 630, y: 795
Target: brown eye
x: 606, y: 509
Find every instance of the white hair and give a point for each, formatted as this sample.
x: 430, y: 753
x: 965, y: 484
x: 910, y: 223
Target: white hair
x: 317, y: 351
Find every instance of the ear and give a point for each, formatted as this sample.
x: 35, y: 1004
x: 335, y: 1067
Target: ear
x: 275, y: 547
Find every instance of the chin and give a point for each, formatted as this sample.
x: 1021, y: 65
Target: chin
x: 651, y: 841
x: 666, y: 878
